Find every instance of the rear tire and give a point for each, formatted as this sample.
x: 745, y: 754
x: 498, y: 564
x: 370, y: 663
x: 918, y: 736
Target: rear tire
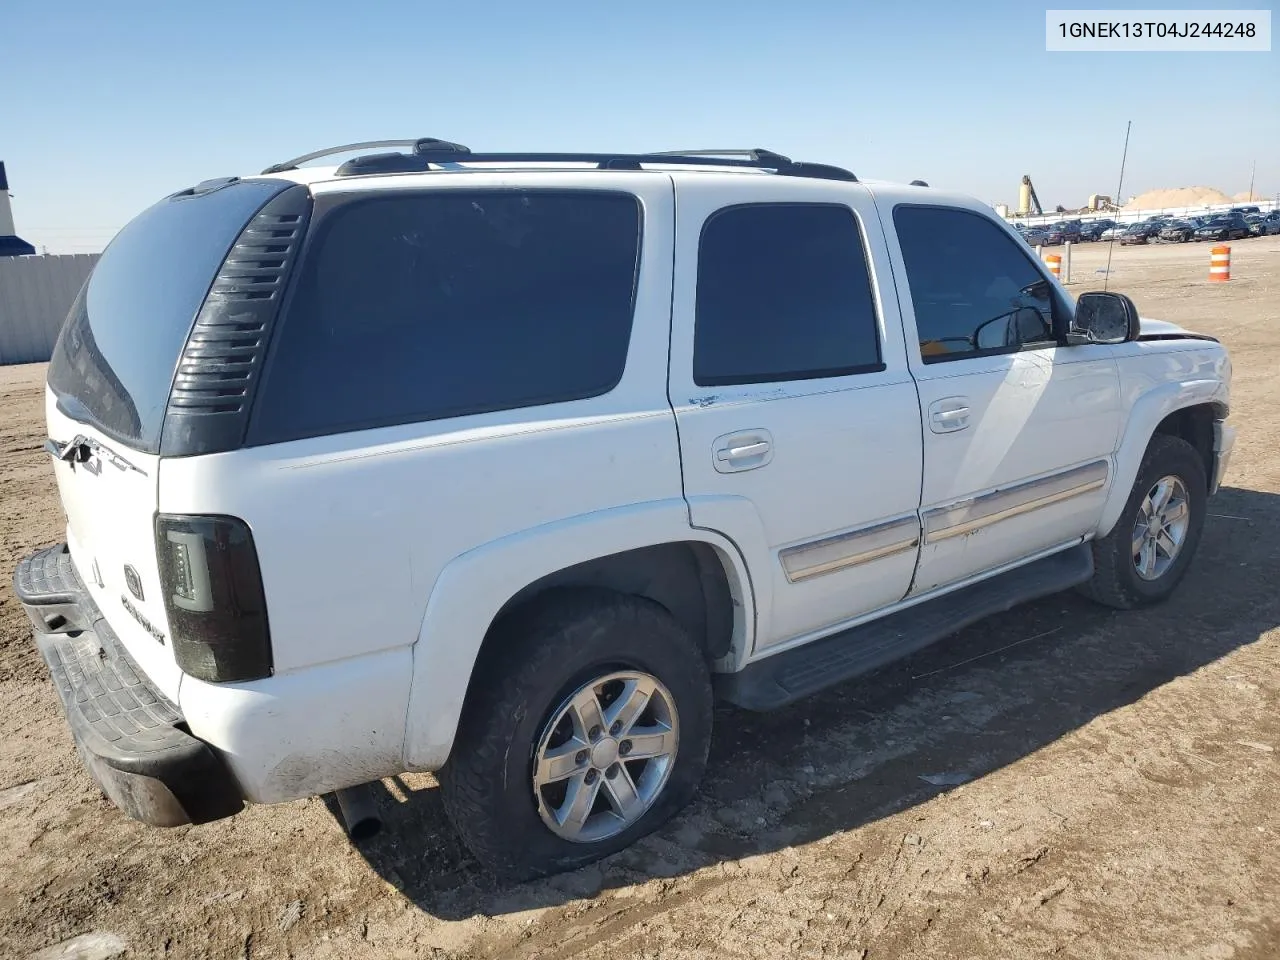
x: 527, y: 745
x: 1147, y: 552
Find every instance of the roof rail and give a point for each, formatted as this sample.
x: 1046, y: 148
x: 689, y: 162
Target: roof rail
x: 417, y: 143
x: 428, y: 152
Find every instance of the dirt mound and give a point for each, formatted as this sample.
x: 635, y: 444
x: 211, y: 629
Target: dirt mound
x: 1177, y: 197
x: 1246, y: 196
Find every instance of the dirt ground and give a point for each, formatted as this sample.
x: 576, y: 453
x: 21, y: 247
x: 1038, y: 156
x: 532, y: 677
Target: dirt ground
x: 1118, y: 797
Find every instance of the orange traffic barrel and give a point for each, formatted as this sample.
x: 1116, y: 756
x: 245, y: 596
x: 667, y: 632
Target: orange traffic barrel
x: 1055, y: 265
x: 1220, y: 263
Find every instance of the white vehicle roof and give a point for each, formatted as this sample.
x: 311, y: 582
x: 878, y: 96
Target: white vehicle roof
x: 325, y: 179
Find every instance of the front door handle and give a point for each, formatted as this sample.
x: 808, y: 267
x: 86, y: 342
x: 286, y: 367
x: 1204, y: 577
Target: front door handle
x: 746, y: 450
x: 949, y: 414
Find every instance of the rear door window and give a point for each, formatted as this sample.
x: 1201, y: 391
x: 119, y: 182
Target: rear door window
x: 114, y: 362
x: 783, y: 294
x: 417, y: 307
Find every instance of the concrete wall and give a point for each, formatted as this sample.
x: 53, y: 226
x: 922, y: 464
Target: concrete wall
x: 35, y: 295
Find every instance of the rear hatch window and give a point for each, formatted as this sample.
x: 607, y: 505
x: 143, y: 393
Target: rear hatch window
x: 114, y: 363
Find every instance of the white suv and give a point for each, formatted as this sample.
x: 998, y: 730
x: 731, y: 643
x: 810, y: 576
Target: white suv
x: 505, y: 465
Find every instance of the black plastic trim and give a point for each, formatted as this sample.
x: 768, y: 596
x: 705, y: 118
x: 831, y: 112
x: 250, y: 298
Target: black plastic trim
x: 131, y: 738
x: 1144, y: 337
x: 786, y: 677
x: 47, y: 577
x: 424, y: 160
x: 826, y: 374
x: 220, y: 366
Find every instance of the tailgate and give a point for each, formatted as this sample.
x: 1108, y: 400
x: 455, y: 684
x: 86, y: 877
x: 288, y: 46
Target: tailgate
x: 110, y: 503
x: 110, y: 382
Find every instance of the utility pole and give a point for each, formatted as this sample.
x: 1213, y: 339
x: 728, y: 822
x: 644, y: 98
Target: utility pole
x: 1252, y: 171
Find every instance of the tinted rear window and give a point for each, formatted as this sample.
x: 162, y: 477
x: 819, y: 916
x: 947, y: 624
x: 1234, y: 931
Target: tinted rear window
x: 114, y: 361
x: 415, y: 307
x: 783, y: 294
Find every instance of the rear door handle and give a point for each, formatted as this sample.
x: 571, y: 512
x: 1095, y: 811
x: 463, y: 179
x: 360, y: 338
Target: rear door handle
x: 742, y: 453
x: 949, y: 415
x: 746, y: 450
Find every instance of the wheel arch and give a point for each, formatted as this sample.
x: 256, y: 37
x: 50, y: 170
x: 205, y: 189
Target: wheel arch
x: 685, y: 577
x: 1194, y: 424
x: 647, y: 550
x: 1185, y: 409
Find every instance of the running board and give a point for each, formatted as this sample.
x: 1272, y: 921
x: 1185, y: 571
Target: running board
x: 786, y: 677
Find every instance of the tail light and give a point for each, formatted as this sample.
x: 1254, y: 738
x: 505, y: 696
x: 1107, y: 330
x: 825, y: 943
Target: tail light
x: 213, y: 596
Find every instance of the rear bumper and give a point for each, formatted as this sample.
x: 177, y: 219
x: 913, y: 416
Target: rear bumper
x: 129, y: 736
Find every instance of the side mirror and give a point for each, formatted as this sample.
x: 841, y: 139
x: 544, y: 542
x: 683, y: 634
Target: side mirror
x: 1103, y: 318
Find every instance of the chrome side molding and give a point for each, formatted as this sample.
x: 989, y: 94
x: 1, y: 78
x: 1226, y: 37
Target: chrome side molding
x: 830, y: 554
x: 957, y: 519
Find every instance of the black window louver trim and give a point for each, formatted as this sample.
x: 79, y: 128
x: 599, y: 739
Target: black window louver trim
x: 221, y: 363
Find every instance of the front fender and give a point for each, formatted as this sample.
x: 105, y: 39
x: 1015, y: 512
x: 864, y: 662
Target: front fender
x: 1144, y: 416
x: 473, y: 588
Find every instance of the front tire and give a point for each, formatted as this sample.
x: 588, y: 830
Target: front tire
x: 1147, y: 552
x: 587, y: 728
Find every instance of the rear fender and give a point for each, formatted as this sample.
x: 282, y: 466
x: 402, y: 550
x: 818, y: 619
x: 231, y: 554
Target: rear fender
x: 475, y: 586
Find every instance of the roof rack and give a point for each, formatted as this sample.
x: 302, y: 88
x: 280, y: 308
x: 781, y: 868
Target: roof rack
x: 416, y: 143
x: 428, y: 152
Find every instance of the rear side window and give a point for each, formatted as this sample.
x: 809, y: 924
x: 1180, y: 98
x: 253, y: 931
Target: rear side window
x: 114, y: 362
x: 974, y: 288
x: 415, y: 307
x: 783, y: 294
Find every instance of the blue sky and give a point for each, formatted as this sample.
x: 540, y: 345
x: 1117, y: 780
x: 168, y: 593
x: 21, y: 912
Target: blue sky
x: 108, y: 106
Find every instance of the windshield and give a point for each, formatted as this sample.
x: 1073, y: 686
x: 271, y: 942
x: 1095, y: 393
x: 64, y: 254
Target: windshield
x: 114, y: 362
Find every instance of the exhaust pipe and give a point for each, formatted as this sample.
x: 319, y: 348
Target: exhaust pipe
x: 359, y: 812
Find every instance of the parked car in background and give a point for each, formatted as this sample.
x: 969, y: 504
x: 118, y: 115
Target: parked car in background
x: 1094, y: 229
x: 1139, y: 233
x: 1064, y: 231
x: 1260, y: 226
x: 1245, y: 211
x: 1177, y: 231
x: 1036, y: 236
x: 1232, y: 227
x: 1114, y: 232
x: 1053, y: 235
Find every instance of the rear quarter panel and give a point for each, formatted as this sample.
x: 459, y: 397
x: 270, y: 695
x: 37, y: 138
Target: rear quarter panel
x: 354, y: 530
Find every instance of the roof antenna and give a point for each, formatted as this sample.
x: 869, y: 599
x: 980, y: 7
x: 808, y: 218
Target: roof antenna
x: 918, y: 183
x: 1119, y: 201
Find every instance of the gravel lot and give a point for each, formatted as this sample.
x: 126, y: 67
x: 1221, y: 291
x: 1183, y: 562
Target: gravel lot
x: 1118, y: 774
